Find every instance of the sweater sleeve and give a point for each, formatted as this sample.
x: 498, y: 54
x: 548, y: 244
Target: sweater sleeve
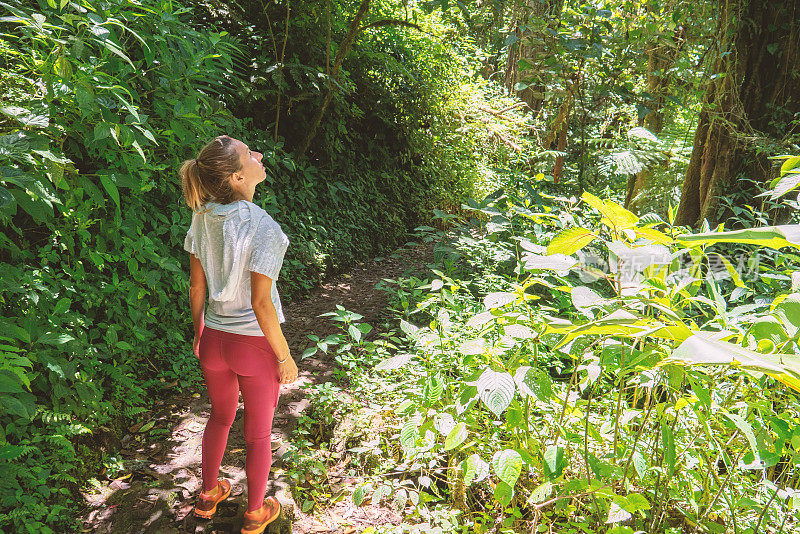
x: 188, y: 242
x: 268, y: 248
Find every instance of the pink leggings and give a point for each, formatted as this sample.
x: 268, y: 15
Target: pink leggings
x: 231, y: 362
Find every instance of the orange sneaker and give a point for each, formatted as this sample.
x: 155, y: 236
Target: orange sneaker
x: 207, y: 501
x: 256, y: 521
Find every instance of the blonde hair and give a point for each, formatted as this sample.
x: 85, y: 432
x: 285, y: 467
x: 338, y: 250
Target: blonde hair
x: 206, y: 177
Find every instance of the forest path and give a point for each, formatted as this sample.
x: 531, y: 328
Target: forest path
x: 162, y: 455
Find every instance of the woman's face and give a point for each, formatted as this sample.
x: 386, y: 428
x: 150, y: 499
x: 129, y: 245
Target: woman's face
x: 252, y: 172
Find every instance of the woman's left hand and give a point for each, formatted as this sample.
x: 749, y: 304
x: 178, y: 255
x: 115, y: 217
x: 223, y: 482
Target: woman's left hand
x: 196, y: 347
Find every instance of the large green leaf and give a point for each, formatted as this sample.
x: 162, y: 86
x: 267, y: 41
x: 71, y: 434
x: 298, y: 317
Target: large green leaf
x: 533, y: 382
x: 473, y: 346
x: 540, y: 493
x: 788, y: 313
x: 554, y: 461
x: 410, y: 432
x: 640, y: 464
x: 508, y: 465
x: 519, y: 331
x: 769, y: 328
x: 480, y: 319
x: 700, y: 349
x: 503, y: 493
x: 584, y: 298
x: 496, y: 390
x: 475, y: 469
x: 6, y: 198
x: 498, y: 299
x: 35, y: 118
x: 787, y: 183
x: 789, y: 178
x: 380, y: 493
x: 791, y: 164
x: 22, y: 406
x: 433, y: 388
x: 654, y: 235
x: 54, y: 338
x: 358, y: 495
x: 614, y: 214
x: 747, y: 431
x: 456, y: 437
x: 111, y: 188
x: 787, y: 235
x: 444, y: 423
x: 552, y: 262
x: 9, y: 382
x: 570, y: 241
x: 622, y: 323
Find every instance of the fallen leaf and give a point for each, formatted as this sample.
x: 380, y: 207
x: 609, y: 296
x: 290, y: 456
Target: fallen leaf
x: 147, y: 426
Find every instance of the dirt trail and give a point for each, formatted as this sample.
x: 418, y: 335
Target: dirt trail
x: 163, y: 461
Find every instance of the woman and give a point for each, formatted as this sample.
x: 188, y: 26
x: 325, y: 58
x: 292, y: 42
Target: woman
x: 236, y: 252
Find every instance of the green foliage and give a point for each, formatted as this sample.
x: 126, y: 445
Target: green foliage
x: 604, y: 71
x: 678, y: 393
x: 104, y: 100
x: 99, y: 104
x: 529, y: 366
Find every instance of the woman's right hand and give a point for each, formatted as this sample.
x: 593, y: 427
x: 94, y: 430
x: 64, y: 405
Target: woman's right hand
x: 288, y: 370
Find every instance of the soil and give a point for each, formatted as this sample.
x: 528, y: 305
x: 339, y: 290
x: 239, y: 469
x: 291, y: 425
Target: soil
x: 162, y: 455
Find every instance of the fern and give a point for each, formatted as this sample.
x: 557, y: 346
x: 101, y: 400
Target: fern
x: 51, y: 417
x: 64, y: 477
x: 59, y: 440
x: 131, y: 411
x: 641, y: 150
x: 15, y: 452
x: 600, y: 142
x: 626, y: 162
x: 77, y: 429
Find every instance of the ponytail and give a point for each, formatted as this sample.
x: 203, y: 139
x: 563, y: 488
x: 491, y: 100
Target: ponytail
x: 207, y: 177
x: 190, y: 183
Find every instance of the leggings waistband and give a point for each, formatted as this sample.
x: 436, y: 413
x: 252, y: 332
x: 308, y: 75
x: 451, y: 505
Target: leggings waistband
x: 232, y: 335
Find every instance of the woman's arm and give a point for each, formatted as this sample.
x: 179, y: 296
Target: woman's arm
x: 267, y: 317
x: 197, y: 293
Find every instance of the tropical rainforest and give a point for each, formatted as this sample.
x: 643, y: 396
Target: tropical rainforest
x: 609, y: 337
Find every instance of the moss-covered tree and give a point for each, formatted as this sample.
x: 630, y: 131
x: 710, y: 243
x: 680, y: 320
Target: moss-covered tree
x: 662, y: 52
x: 752, y: 95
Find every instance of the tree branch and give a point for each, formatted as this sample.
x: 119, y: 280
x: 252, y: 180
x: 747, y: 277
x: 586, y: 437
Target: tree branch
x: 341, y: 52
x: 390, y: 22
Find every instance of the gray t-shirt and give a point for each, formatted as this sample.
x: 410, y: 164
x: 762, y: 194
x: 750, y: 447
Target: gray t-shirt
x: 230, y: 240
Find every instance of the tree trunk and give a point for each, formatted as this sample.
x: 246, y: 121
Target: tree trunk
x: 560, y: 127
x: 661, y: 56
x: 341, y: 52
x: 748, y: 105
x: 491, y: 37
